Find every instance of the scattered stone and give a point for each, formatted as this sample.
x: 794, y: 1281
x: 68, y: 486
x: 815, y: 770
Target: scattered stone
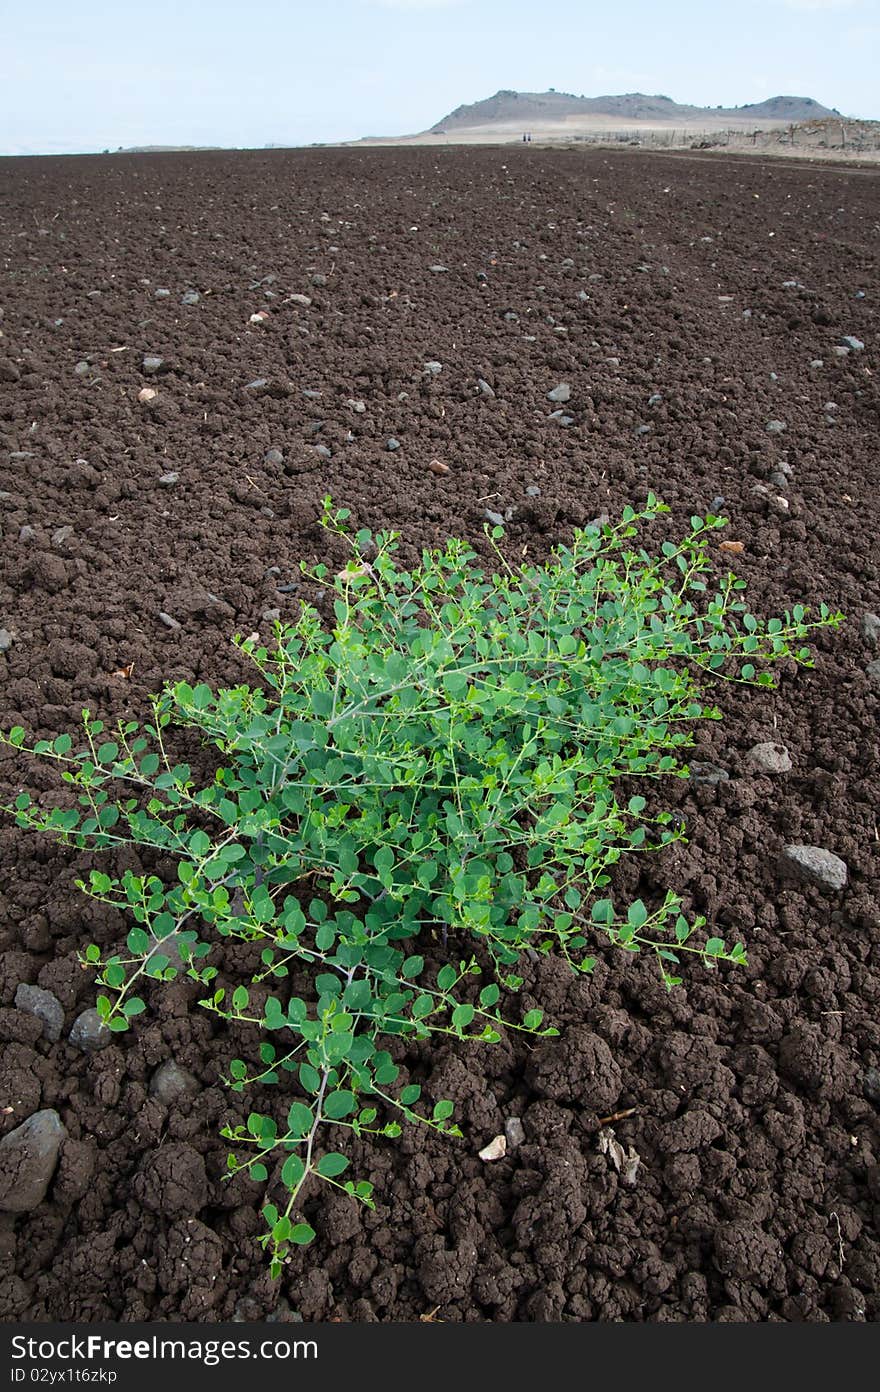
x: 271, y: 615
x: 775, y: 427
x: 392, y: 444
x: 169, y: 480
x: 779, y: 480
x: 319, y: 280
x: 855, y: 344
x: 168, y: 621
x: 817, y: 362
x: 304, y: 300
x: 583, y: 296
x: 161, y: 293
x: 871, y: 1085
x: 873, y: 671
x: 612, y: 362
x: 323, y: 452
x: 438, y: 467
x: 152, y: 365
x: 495, y: 1150
x: 433, y: 367
x: 533, y: 491
x: 358, y: 406
x: 484, y: 387
x: 82, y: 369
x: 438, y: 270
x: 511, y: 317
x: 28, y: 1157
x: 870, y: 627
x: 707, y: 773
x: 644, y: 429
x: 494, y: 517
x: 560, y: 393
x: 274, y: 456
x: 655, y: 398
x: 816, y: 866
x: 514, y: 1132
x: 87, y: 1032
x: 170, y: 1082
x: 6, y: 640
x: 261, y: 317
x: 147, y: 394
x: 312, y: 393
x: 33, y: 1000
x: 61, y: 535
x: 841, y: 351
x: 258, y: 384
x: 770, y: 758
x: 190, y: 297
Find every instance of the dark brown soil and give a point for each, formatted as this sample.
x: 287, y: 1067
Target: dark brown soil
x: 755, y: 1108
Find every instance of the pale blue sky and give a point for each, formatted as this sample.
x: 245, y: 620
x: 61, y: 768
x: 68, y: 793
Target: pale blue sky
x: 89, y: 74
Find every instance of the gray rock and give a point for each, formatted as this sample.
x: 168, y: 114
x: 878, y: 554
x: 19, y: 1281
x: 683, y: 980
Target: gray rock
x: 169, y: 480
x: 855, y: 344
x: 815, y: 866
x: 514, y: 1131
x: 484, y: 387
x: 770, y: 758
x: 433, y: 367
x: 494, y: 517
x: 61, y: 535
x: 304, y: 300
x: 8, y: 371
x: 82, y: 369
x: 257, y: 384
x: 779, y: 480
x: 654, y: 399
x: 560, y: 393
x: 707, y: 773
x: 870, y: 627
x: 612, y: 362
x: 87, y: 1032
x: 359, y: 407
x: 583, y: 296
x: 644, y: 429
x: 312, y: 394
x: 511, y: 317
x: 168, y: 621
x: 5, y: 640
x: 319, y: 280
x: 33, y: 1000
x: 274, y: 456
x: 817, y: 362
x: 775, y: 427
x: 438, y: 269
x: 841, y: 351
x: 170, y: 1082
x: 28, y: 1156
x: 26, y: 533
x: 152, y: 365
x: 190, y: 297
x: 533, y: 491
x: 161, y: 293
x: 871, y: 1085
x: 271, y: 615
x: 873, y: 671
x: 392, y: 444
x: 324, y: 453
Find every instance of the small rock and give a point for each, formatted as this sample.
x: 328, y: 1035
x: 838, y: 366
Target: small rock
x: 6, y: 640
x: 392, y: 444
x: 437, y: 466
x: 433, y: 367
x: 169, y: 480
x: 871, y: 1085
x: 8, y: 371
x: 319, y: 280
x: 261, y: 317
x: 147, y: 394
x: 82, y: 369
x: 170, y: 1082
x: 515, y: 1132
x: 271, y: 615
x: 533, y: 491
x: 190, y: 297
x: 654, y: 399
x: 161, y: 293
x: 323, y: 452
x: 357, y: 406
x: 855, y: 344
x: 87, y: 1032
x: 583, y: 296
x: 612, y: 362
x: 770, y: 758
x: 438, y: 269
x: 841, y: 351
x: 707, y: 773
x: 28, y: 1156
x: 312, y: 393
x: 303, y: 300
x: 494, y: 517
x: 257, y: 384
x: 873, y: 671
x: 816, y: 866
x: 775, y: 427
x: 33, y: 1000
x: 870, y: 627
x: 61, y: 535
x: 495, y: 1150
x: 274, y: 456
x: 779, y: 480
x: 817, y: 362
x: 644, y: 429
x: 151, y: 365
x: 560, y: 393
x: 168, y: 621
x: 484, y: 387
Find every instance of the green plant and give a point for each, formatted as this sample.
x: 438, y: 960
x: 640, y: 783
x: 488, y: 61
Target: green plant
x: 431, y: 776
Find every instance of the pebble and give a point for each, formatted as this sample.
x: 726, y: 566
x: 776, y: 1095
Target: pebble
x: 358, y: 406
x: 511, y: 317
x: 644, y: 429
x: 271, y: 615
x: 841, y: 351
x: 312, y: 393
x: 779, y: 479
x: 855, y: 344
x: 815, y: 865
x: 26, y: 533
x: 494, y: 517
x: 152, y: 364
x: 161, y: 293
x: 484, y: 387
x: 533, y: 491
x: 707, y: 773
x: 274, y: 456
x: 82, y: 369
x: 168, y: 480
x: 583, y: 296
x: 171, y: 1082
x: 817, y: 362
x: 304, y: 300
x: 775, y: 427
x: 319, y: 280
x: 870, y: 627
x: 147, y: 394
x: 514, y: 1132
x: 612, y: 362
x: 871, y: 1085
x: 873, y: 671
x: 257, y: 384
x: 655, y: 399
x: 6, y: 640
x: 323, y: 452
x: 438, y: 269
x: 770, y: 758
x: 33, y: 1000
x: 433, y: 367
x: 28, y: 1156
x: 560, y: 393
x: 392, y: 444
x: 168, y: 621
x: 190, y: 297
x: 438, y: 467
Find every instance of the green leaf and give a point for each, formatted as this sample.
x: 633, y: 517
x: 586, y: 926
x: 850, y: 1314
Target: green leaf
x: 338, y: 1104
x: 300, y: 1119
x: 332, y: 1164
x: 301, y: 1234
x: 442, y: 1110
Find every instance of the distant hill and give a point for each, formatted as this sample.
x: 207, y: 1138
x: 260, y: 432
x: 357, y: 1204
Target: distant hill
x: 529, y: 108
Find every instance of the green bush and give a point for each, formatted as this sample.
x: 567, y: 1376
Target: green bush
x: 432, y: 774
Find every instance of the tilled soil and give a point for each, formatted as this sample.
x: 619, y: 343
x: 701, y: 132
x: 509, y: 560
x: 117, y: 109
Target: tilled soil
x: 687, y: 303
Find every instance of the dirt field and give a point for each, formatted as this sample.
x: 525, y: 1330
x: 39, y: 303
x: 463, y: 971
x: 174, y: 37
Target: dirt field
x: 719, y: 292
